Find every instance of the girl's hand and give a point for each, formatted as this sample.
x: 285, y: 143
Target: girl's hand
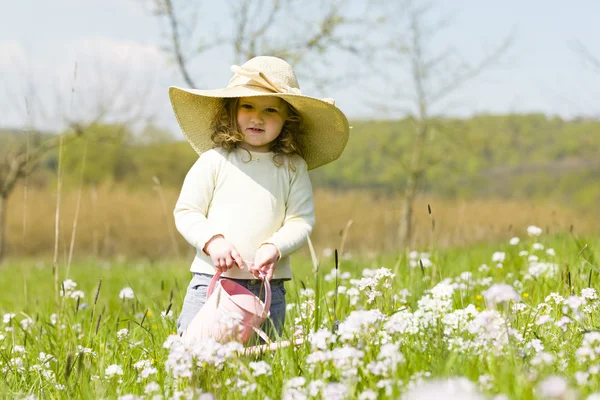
x: 264, y: 261
x: 224, y: 255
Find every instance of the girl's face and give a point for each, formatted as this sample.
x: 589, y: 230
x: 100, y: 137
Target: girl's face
x: 260, y: 120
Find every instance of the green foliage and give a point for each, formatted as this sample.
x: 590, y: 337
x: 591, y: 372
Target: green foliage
x: 512, y: 156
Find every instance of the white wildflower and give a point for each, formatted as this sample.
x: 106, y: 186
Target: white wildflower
x: 500, y: 293
x: 122, y: 334
x: 589, y: 293
x: 553, y: 387
x: 498, y: 256
x: 151, y: 387
x: 113, y: 370
x: 260, y: 368
x: 551, y: 252
x: 8, y: 317
x: 449, y: 389
x: 126, y: 293
x: 533, y: 230
x: 538, y: 246
x: 514, y: 241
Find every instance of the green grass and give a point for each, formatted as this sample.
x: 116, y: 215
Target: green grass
x: 27, y: 290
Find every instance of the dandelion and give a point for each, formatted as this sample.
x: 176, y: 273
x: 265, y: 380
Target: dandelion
x: 533, y: 230
x: 113, y: 370
x: 500, y: 293
x: 514, y: 241
x: 126, y: 293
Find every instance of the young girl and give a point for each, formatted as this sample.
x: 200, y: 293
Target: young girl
x: 247, y: 203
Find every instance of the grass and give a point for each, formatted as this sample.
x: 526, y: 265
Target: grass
x: 85, y: 337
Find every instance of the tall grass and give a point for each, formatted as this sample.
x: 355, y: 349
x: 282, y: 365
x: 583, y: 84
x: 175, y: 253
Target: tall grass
x: 118, y: 222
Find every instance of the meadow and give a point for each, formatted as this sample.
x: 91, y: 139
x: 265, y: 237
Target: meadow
x: 511, y: 319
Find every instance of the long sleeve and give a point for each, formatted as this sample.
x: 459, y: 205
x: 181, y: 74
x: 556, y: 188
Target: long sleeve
x: 299, y: 214
x: 191, y: 210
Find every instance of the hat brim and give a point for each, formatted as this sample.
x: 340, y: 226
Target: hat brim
x: 325, y: 127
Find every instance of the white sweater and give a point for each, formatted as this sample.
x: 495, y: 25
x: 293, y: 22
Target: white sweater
x: 249, y: 202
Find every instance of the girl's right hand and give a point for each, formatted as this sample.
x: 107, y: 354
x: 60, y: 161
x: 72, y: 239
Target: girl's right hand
x: 224, y: 255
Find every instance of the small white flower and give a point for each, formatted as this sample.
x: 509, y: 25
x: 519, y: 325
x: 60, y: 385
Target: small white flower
x: 113, y: 370
x: 260, y: 368
x: 533, y: 230
x: 514, y: 241
x: 152, y: 387
x: 499, y: 293
x: 77, y: 294
x: 498, y: 256
x: 484, y: 268
x: 126, y: 293
x: 589, y: 294
x: 553, y: 387
x: 551, y: 252
x: 166, y: 315
x: 523, y: 253
x: 122, y: 334
x: 327, y: 252
x: 538, y: 246
x: 8, y: 317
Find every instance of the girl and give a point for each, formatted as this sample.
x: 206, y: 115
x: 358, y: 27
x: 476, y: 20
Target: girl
x: 247, y: 203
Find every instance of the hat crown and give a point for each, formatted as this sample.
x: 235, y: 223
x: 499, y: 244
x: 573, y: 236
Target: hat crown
x: 267, y: 71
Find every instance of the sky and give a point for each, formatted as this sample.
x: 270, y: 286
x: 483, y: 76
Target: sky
x: 64, y: 60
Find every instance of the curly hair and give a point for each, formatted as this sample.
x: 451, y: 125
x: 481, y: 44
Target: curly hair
x: 226, y: 132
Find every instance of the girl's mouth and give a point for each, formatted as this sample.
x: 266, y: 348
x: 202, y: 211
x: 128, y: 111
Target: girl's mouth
x: 256, y: 130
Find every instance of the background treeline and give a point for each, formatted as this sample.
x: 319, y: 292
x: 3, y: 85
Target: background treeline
x: 488, y: 178
x: 510, y: 157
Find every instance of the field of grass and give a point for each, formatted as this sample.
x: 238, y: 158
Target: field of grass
x: 504, y: 321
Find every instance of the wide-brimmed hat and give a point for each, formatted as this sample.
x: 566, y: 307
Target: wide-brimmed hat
x: 325, y: 127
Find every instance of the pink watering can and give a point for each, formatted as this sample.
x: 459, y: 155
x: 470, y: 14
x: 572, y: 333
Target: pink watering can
x: 231, y: 313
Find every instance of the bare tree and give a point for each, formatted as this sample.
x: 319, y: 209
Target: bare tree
x: 20, y: 160
x: 432, y: 77
x: 282, y: 28
x: 585, y: 54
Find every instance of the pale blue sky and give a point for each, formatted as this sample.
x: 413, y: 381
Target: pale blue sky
x: 115, y: 44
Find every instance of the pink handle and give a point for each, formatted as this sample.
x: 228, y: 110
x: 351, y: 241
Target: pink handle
x: 215, y: 279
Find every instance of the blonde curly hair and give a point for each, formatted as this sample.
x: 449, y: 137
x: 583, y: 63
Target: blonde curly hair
x: 226, y: 132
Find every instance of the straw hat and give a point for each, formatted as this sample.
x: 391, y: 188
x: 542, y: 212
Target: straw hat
x: 325, y: 129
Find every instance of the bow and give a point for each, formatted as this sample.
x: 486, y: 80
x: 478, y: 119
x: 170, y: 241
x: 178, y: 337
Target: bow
x: 262, y: 80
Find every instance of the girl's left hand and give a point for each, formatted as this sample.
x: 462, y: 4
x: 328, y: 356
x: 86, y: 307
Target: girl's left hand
x: 264, y: 261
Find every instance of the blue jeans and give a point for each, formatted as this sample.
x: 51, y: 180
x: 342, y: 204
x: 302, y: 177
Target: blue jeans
x: 195, y: 298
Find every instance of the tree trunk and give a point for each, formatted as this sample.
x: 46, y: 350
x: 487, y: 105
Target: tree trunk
x: 412, y: 186
x: 3, y: 203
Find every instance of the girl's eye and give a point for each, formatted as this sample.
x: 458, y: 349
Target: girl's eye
x: 272, y: 110
x: 247, y: 106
